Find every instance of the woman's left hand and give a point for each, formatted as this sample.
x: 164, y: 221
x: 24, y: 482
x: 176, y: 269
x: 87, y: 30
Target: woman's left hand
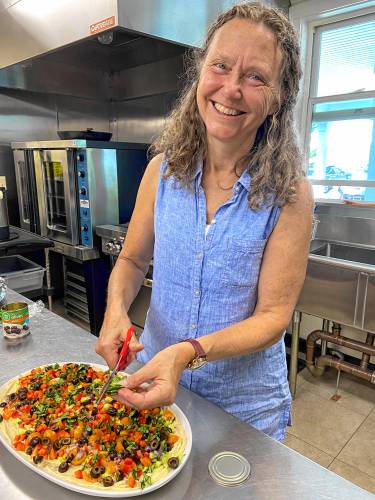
x: 163, y: 371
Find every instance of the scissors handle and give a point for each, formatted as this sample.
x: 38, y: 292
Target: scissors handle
x: 125, y: 348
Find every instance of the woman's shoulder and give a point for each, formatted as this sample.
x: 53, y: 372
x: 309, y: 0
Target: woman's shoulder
x: 302, y: 206
x: 153, y: 169
x: 304, y: 194
x: 155, y: 164
x: 151, y: 177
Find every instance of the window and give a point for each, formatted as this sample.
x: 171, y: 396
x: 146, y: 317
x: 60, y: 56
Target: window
x: 341, y: 110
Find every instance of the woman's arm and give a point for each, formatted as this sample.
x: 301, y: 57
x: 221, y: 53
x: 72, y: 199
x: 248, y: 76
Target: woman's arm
x: 130, y: 269
x: 281, y: 278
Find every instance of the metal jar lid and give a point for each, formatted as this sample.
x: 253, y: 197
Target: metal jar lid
x: 228, y: 468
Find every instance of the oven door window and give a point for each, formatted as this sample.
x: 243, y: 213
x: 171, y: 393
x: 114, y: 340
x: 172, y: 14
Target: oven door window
x: 53, y: 174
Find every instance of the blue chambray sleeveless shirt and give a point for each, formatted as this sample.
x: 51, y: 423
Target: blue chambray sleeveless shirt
x: 202, y: 284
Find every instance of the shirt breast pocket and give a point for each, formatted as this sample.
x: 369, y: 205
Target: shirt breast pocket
x: 242, y: 263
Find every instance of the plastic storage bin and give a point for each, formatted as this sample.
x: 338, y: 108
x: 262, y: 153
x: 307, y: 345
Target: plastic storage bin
x: 22, y: 275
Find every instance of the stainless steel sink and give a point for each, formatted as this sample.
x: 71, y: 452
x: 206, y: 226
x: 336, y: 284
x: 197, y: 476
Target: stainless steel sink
x: 343, y: 252
x: 340, y: 284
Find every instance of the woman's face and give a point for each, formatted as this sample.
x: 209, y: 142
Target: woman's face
x: 239, y: 82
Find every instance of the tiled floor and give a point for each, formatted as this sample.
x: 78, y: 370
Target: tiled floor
x: 339, y: 435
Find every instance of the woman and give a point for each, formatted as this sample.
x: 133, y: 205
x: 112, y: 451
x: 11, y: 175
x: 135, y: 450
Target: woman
x: 225, y: 211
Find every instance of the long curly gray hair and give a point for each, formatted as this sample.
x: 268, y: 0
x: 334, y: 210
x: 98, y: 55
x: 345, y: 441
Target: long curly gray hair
x: 274, y: 161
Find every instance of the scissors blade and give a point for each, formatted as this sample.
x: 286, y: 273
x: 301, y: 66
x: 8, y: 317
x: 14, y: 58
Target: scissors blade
x: 121, y: 361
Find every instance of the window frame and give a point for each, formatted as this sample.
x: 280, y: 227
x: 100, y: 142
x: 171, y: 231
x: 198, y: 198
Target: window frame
x: 310, y: 18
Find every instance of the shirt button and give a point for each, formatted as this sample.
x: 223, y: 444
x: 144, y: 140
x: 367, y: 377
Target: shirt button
x: 200, y: 255
x: 213, y: 221
x: 193, y: 326
x: 237, y: 189
x: 197, y: 292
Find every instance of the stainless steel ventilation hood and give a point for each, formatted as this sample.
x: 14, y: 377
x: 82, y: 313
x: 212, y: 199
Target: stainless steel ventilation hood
x: 30, y: 28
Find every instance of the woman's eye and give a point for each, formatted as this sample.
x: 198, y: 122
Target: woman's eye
x: 255, y: 77
x: 220, y: 66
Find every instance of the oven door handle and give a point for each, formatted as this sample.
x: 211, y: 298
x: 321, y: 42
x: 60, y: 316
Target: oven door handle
x: 147, y: 282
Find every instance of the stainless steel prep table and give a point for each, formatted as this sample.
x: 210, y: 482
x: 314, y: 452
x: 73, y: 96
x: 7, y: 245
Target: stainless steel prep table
x: 278, y: 473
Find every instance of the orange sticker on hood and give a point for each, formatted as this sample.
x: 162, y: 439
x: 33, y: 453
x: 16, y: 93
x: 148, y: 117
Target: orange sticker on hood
x: 102, y: 25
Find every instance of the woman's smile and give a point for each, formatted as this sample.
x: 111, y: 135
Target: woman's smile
x: 225, y: 110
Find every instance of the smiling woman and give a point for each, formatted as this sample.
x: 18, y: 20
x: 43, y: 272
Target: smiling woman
x: 226, y: 214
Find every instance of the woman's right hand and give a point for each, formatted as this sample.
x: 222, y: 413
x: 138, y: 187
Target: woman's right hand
x: 111, y: 337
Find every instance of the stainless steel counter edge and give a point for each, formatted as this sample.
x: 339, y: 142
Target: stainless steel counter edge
x: 278, y: 473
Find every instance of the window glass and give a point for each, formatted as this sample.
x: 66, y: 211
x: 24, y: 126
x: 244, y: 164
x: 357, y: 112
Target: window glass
x: 342, y: 135
x: 340, y: 150
x: 347, y: 59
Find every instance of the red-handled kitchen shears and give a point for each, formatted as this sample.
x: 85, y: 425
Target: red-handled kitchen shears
x: 120, y: 362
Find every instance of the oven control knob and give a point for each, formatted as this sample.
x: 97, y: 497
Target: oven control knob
x: 109, y: 246
x: 84, y: 227
x: 82, y: 191
x: 81, y: 157
x: 117, y: 248
x: 81, y: 173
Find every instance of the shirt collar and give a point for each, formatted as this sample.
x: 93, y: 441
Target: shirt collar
x: 245, y: 180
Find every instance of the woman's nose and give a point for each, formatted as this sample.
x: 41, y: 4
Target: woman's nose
x: 232, y: 86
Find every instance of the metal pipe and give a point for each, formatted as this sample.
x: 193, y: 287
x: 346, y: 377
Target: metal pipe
x: 325, y: 328
x: 336, y: 329
x: 317, y: 368
x: 293, y: 365
x: 339, y: 340
x: 365, y: 357
x: 323, y: 361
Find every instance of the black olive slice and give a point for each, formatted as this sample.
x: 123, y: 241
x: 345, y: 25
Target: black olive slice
x: 63, y: 467
x: 65, y: 441
x: 173, y: 462
x: 3, y: 404
x: 29, y: 450
x: 154, y: 444
x: 82, y: 441
x: 56, y: 445
x: 119, y: 476
x: 35, y: 441
x: 95, y: 471
x: 46, y: 441
x: 112, y: 411
x: 37, y: 459
x: 108, y: 481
